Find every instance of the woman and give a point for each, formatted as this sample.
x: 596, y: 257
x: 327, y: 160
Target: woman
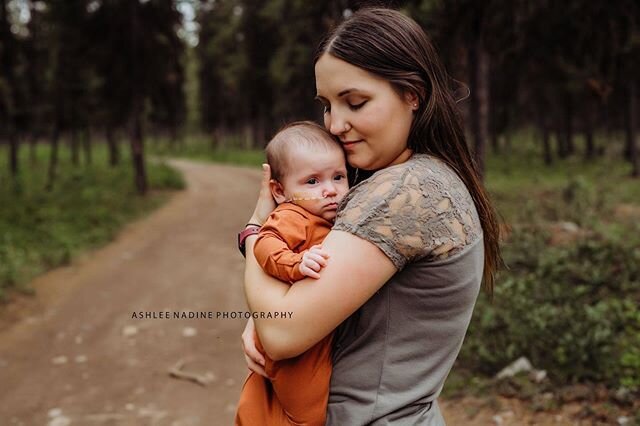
x: 410, y: 244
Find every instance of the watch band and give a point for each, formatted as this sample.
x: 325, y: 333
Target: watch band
x: 250, y: 229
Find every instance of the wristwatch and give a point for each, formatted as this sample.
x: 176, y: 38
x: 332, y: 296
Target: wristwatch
x: 250, y: 229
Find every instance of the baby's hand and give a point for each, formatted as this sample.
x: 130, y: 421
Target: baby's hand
x: 313, y: 260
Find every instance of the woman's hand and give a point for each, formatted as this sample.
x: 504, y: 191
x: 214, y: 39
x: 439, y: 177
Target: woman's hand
x: 266, y: 203
x: 253, y: 358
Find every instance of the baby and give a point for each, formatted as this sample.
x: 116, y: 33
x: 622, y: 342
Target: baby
x: 309, y: 181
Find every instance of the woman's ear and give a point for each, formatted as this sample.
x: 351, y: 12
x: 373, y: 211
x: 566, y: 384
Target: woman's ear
x: 277, y: 191
x: 412, y: 99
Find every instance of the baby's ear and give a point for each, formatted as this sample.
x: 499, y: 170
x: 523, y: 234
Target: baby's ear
x: 277, y: 191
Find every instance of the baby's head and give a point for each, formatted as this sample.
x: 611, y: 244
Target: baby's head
x: 308, y: 168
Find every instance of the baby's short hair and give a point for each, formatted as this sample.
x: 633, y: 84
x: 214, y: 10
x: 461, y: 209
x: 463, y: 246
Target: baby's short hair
x: 293, y: 135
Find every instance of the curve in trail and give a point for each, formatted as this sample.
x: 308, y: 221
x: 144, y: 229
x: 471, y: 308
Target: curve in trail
x: 80, y: 357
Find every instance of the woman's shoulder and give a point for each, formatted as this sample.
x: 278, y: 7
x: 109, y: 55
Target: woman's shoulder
x: 419, y: 208
x: 422, y: 173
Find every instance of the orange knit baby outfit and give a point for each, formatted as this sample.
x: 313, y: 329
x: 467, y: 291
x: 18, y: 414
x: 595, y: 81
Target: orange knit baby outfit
x: 298, y: 388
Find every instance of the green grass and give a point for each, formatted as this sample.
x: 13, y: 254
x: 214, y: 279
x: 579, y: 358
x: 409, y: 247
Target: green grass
x: 40, y: 230
x: 199, y: 147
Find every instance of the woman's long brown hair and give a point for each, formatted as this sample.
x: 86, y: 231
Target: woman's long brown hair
x: 391, y: 45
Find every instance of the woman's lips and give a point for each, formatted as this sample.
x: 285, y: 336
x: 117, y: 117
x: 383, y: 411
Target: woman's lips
x: 348, y: 144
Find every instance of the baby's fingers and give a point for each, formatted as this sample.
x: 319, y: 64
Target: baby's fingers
x: 317, y: 259
x: 312, y: 264
x: 319, y: 250
x: 305, y: 270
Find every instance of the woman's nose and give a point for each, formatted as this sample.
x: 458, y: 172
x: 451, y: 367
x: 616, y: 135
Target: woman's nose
x: 337, y: 125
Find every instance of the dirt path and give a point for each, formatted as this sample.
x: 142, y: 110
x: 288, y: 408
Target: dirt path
x: 79, y: 354
x: 74, y: 354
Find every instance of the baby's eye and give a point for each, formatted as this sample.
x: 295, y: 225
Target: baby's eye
x: 357, y: 106
x: 339, y: 177
x: 312, y: 181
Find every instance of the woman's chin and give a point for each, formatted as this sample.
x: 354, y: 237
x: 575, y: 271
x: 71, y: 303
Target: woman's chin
x: 359, y: 161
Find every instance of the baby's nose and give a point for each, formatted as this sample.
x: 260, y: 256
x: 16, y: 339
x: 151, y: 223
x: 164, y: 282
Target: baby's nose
x: 329, y: 191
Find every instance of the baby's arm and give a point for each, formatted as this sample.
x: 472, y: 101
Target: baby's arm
x: 282, y: 233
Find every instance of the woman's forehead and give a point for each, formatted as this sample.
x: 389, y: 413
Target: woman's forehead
x: 335, y: 77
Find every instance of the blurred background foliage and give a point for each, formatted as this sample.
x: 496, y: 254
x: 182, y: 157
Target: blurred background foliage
x: 87, y: 87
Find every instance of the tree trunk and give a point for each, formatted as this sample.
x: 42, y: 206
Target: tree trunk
x: 630, y: 119
x: 13, y: 152
x: 86, y: 144
x: 603, y: 125
x: 6, y: 68
x: 508, y: 141
x: 546, y: 141
x: 33, y: 145
x: 247, y: 137
x: 565, y: 131
x: 570, y: 146
x: 259, y: 129
x: 495, y: 142
x: 136, y: 138
x: 34, y: 78
x: 137, y: 151
x: 53, y: 156
x: 173, y: 134
x: 75, y: 151
x: 479, y: 102
x: 114, y: 152
x: 590, y: 147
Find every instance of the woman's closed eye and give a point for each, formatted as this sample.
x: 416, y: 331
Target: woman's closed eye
x: 355, y: 107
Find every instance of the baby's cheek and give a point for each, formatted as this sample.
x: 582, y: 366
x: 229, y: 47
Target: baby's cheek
x: 309, y: 203
x: 305, y: 196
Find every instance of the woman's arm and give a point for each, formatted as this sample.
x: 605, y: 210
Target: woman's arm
x: 355, y: 271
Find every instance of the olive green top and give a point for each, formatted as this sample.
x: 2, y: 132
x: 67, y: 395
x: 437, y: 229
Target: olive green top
x: 392, y: 356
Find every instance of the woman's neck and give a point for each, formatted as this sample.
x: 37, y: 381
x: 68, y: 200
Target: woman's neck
x: 404, y: 156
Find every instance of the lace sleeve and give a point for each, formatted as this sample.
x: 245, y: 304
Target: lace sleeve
x: 414, y: 210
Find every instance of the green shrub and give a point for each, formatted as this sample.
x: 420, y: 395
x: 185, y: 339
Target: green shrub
x: 571, y: 310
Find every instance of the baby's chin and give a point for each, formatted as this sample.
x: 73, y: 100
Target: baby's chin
x: 331, y: 217
x: 326, y: 215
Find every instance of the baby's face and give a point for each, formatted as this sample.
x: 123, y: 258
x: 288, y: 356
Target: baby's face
x: 316, y: 180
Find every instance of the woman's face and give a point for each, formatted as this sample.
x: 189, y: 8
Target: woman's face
x: 371, y: 119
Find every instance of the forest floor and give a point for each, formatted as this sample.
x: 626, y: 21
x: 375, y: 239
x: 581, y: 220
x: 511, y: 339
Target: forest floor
x: 74, y: 354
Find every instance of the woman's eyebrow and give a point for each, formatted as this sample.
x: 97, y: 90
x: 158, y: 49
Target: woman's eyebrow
x: 346, y: 92
x: 341, y: 94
